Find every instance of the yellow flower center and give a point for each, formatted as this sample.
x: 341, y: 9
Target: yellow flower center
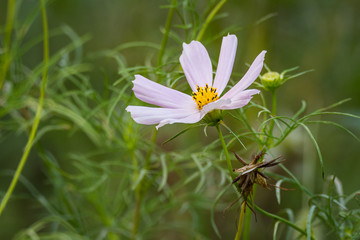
x: 204, y: 96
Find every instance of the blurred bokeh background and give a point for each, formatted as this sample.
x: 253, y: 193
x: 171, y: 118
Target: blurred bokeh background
x: 322, y: 35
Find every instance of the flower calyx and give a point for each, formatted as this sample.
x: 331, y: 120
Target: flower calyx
x: 214, y: 117
x: 271, y: 80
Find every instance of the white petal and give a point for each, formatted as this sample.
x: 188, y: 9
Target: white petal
x: 225, y: 63
x: 193, y: 118
x: 236, y: 104
x: 214, y: 105
x: 240, y: 100
x: 150, y: 115
x: 244, y: 94
x: 196, y: 64
x: 248, y: 78
x: 157, y: 94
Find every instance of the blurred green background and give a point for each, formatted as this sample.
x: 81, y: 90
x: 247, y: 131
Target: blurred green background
x: 323, y: 35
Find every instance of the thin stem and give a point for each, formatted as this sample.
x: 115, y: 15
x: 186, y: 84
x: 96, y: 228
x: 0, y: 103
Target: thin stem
x: 248, y: 216
x: 6, y: 58
x: 209, y: 19
x: 265, y: 118
x: 230, y: 168
x: 137, y: 215
x: 239, y: 229
x: 287, y: 222
x: 274, y: 103
x: 37, y: 115
x: 137, y: 195
x: 166, y: 33
x: 237, y: 138
x: 273, y: 114
x: 141, y: 187
x: 151, y: 149
x: 229, y: 165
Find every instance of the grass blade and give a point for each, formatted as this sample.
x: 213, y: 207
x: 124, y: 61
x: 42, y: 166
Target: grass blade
x: 164, y: 172
x: 317, y: 148
x: 308, y: 223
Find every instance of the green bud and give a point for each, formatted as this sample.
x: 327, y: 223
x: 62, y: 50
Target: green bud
x: 271, y: 80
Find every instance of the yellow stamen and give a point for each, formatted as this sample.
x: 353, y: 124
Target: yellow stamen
x: 204, y: 95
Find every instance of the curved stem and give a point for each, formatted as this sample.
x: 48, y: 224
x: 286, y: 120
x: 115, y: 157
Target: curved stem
x: 6, y: 58
x: 37, y: 115
x: 209, y: 19
x: 228, y: 162
x: 287, y: 222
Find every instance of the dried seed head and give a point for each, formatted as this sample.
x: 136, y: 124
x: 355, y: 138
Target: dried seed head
x: 262, y: 181
x: 251, y: 173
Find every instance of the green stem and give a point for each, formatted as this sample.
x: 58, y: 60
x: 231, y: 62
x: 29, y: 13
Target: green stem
x: 142, y: 189
x: 230, y: 168
x: 273, y: 114
x: 303, y: 232
x: 248, y: 216
x: 166, y: 33
x: 151, y: 149
x: 209, y: 19
x: 239, y: 229
x: 262, y: 136
x: 37, y: 115
x: 229, y: 165
x: 274, y: 103
x: 137, y: 215
x: 6, y: 58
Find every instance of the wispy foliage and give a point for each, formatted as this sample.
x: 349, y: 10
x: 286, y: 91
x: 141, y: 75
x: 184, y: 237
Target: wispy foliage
x: 110, y: 178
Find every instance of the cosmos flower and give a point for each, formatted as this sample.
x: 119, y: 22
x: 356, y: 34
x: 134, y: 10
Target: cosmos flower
x: 178, y: 107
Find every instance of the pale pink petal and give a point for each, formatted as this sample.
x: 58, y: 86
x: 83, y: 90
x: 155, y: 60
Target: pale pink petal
x: 244, y: 94
x: 193, y: 118
x: 157, y: 94
x: 214, y: 105
x: 196, y: 64
x: 151, y: 115
x: 239, y: 100
x: 236, y: 104
x: 225, y: 63
x: 248, y: 78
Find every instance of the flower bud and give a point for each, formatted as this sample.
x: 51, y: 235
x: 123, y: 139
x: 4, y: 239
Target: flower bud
x: 271, y: 80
